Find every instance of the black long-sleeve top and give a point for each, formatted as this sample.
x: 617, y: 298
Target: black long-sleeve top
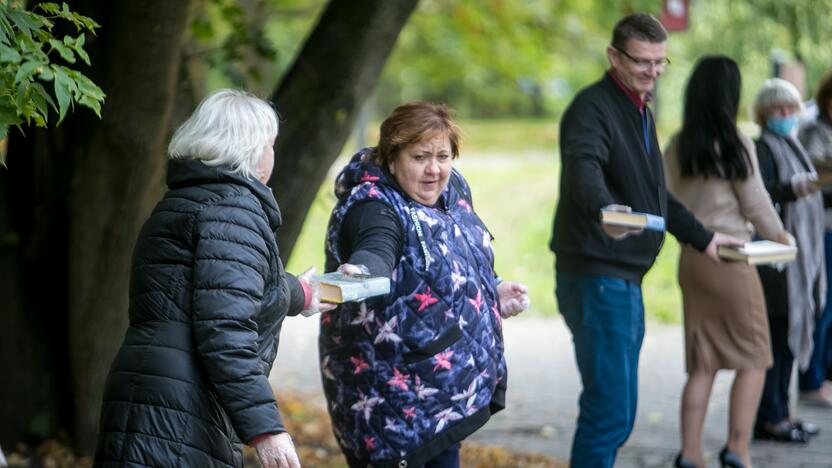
x: 372, y: 236
x: 605, y: 161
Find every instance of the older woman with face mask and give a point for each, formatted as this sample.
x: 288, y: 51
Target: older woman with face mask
x: 411, y: 374
x: 794, y: 295
x: 815, y: 382
x: 208, y: 294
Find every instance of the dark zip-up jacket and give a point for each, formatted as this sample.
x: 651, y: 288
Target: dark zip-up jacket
x: 208, y: 295
x: 604, y: 161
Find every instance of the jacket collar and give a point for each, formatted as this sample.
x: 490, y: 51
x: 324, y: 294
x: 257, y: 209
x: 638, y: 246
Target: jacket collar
x: 632, y: 95
x: 191, y: 172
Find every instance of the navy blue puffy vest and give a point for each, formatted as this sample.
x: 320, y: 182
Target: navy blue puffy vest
x: 412, y: 373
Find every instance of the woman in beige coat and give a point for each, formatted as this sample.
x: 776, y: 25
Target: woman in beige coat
x: 712, y: 168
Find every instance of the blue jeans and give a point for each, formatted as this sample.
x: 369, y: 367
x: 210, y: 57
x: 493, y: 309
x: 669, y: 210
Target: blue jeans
x: 821, y: 360
x: 606, y: 317
x: 447, y: 459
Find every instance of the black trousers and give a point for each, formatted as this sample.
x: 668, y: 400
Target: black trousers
x: 774, y: 404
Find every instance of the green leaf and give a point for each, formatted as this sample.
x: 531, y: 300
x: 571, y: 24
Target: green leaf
x: 87, y: 87
x: 25, y: 72
x: 22, y: 98
x: 46, y: 74
x: 78, y: 46
x: 6, y: 27
x: 63, y: 91
x: 7, y: 54
x: 92, y: 104
x: 8, y: 113
x: 49, y: 7
x: 23, y: 21
x: 42, y: 99
x: 66, y: 52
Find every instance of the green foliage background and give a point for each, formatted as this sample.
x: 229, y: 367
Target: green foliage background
x: 509, y: 68
x: 513, y: 169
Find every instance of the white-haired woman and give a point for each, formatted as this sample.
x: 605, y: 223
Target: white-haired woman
x: 208, y: 295
x: 796, y: 294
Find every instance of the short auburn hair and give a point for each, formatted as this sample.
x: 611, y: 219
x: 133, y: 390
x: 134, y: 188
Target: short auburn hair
x: 411, y: 123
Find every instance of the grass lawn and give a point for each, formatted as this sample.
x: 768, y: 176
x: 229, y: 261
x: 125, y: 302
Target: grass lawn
x: 512, y: 167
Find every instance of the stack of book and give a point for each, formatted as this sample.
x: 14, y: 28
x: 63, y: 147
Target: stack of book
x: 758, y: 252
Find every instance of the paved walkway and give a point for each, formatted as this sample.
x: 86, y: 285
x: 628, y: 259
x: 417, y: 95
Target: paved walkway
x: 544, y: 388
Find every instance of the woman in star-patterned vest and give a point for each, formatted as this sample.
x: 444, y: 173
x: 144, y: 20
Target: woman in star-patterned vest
x: 411, y: 374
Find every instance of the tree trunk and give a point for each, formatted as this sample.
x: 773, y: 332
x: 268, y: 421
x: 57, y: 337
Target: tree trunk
x: 119, y: 176
x: 320, y: 96
x: 34, y: 395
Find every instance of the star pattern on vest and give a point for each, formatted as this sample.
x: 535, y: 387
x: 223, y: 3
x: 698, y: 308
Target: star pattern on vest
x: 399, y: 380
x: 386, y: 333
x: 359, y: 364
x: 368, y: 178
x: 446, y: 416
x: 365, y: 317
x: 422, y: 390
x: 477, y: 302
x: 425, y: 300
x: 365, y: 405
x: 443, y: 360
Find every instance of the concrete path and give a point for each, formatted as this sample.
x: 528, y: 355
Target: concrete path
x: 544, y: 387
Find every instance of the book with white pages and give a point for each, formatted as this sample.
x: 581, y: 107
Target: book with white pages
x: 761, y: 252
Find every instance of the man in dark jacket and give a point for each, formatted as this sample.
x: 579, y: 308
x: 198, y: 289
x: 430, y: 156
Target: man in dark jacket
x: 611, y: 160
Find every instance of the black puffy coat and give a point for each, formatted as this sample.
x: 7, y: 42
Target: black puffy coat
x: 207, y: 297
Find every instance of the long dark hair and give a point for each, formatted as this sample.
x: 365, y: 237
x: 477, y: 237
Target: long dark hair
x: 709, y: 143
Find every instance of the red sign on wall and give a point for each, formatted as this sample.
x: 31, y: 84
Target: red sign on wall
x: 675, y: 15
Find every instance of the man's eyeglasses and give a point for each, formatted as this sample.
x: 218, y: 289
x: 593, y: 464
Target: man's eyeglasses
x: 645, y: 64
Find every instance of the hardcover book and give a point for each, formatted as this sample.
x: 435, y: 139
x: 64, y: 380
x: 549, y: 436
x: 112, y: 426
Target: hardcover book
x: 338, y: 287
x: 633, y: 219
x: 759, y: 252
x: 824, y: 170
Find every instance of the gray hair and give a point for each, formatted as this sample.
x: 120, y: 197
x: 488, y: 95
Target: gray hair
x: 228, y: 127
x: 775, y: 92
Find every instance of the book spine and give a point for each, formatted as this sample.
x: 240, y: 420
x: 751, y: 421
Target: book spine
x: 360, y: 291
x: 654, y: 223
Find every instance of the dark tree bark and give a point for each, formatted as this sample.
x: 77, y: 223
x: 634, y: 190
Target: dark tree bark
x: 75, y: 197
x: 34, y: 396
x: 321, y: 95
x: 118, y: 178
